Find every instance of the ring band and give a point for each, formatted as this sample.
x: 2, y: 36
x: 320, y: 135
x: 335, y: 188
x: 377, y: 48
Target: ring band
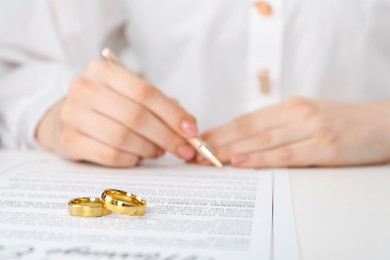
x: 87, y: 207
x: 123, y: 202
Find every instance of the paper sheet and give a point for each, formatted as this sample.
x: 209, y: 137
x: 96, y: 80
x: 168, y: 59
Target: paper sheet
x: 193, y: 213
x: 285, y: 241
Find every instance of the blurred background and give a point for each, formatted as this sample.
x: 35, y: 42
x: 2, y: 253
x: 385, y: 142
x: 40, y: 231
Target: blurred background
x: 13, y: 14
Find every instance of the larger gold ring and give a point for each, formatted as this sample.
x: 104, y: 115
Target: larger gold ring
x: 87, y: 207
x: 123, y: 202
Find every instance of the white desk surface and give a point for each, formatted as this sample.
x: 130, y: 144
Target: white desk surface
x: 340, y: 213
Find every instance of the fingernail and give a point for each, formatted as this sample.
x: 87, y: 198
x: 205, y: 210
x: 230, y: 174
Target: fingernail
x: 189, y: 128
x: 186, y: 152
x: 160, y: 152
x: 239, y: 159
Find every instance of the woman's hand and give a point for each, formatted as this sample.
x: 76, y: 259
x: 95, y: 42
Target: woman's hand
x: 301, y: 132
x: 114, y: 118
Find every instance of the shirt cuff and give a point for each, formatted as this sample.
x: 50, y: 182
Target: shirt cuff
x: 35, y: 89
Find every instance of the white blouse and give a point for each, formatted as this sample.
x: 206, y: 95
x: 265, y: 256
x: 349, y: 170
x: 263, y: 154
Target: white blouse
x: 219, y: 58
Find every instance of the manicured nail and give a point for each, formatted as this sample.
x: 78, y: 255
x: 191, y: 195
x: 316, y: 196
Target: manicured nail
x: 189, y: 128
x: 239, y: 159
x: 186, y: 152
x: 160, y: 152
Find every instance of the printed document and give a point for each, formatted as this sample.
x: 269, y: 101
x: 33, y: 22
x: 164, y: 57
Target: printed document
x: 193, y: 212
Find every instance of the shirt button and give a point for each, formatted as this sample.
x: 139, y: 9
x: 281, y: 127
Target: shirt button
x: 264, y: 8
x: 265, y: 86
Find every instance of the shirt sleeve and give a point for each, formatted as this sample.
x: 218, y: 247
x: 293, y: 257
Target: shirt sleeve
x: 38, y: 64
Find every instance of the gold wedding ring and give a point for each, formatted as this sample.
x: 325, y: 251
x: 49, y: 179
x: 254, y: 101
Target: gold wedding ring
x: 123, y: 202
x: 87, y: 207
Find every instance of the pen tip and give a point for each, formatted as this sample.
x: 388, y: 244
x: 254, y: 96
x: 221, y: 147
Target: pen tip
x: 219, y: 164
x: 213, y: 159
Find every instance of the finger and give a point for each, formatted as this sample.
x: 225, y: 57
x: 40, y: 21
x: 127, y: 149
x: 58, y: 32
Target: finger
x: 110, y: 132
x: 175, y: 101
x: 300, y: 154
x: 247, y: 125
x: 137, y: 89
x: 199, y: 159
x: 135, y: 117
x: 263, y: 141
x: 78, y: 147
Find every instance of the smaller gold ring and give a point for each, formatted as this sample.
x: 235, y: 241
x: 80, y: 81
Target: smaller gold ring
x: 87, y: 207
x: 123, y: 202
